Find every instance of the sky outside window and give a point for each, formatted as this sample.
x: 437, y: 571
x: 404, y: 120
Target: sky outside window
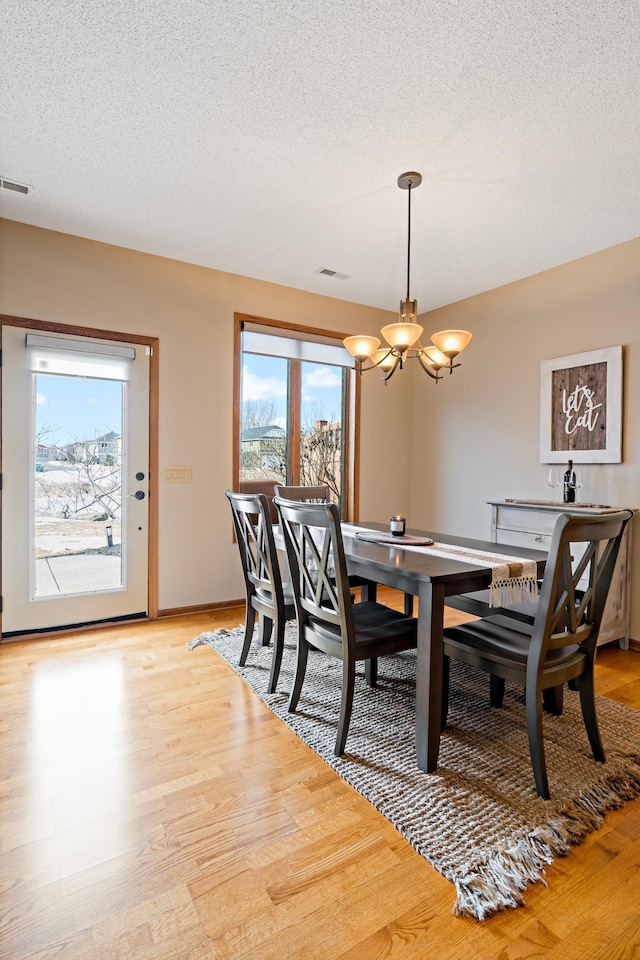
x: 264, y: 379
x: 76, y: 408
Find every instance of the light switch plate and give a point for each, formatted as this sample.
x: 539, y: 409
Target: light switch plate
x: 177, y: 474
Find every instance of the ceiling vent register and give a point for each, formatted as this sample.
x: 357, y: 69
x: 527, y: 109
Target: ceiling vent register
x: 326, y: 272
x: 15, y: 187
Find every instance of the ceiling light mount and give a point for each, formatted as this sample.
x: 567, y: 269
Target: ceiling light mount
x: 409, y: 181
x: 404, y: 337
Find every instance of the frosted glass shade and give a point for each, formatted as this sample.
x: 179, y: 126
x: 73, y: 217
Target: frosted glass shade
x: 435, y: 357
x: 402, y: 335
x: 451, y: 342
x: 384, y: 364
x: 361, y: 347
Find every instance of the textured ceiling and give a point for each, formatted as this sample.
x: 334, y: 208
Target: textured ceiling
x: 266, y: 138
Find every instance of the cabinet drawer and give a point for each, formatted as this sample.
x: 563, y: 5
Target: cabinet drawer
x: 539, y: 541
x: 535, y: 541
x: 519, y: 518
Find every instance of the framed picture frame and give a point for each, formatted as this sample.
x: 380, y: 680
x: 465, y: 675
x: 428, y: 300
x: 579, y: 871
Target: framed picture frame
x: 581, y: 407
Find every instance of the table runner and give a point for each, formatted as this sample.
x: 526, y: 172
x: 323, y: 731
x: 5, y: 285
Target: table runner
x: 513, y: 579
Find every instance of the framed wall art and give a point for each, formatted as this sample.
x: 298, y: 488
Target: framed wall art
x: 581, y: 407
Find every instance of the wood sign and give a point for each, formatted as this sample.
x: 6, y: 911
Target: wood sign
x: 581, y: 408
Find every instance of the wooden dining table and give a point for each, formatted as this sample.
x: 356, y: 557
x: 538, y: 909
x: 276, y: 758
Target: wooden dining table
x: 431, y: 579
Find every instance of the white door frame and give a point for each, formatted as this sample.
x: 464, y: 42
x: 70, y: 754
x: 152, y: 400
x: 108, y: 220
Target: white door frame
x: 154, y: 359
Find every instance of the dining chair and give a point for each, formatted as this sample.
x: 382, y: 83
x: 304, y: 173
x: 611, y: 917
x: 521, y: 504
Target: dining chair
x: 317, y: 494
x: 260, y: 486
x: 328, y: 620
x: 558, y: 645
x: 322, y: 494
x: 267, y: 595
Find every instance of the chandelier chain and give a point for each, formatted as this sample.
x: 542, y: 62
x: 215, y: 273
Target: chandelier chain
x: 409, y: 242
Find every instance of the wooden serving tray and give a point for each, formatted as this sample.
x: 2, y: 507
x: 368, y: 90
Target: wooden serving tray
x: 373, y: 536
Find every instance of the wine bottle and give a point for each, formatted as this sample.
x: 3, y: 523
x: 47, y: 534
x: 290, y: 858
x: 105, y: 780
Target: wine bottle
x: 569, y: 489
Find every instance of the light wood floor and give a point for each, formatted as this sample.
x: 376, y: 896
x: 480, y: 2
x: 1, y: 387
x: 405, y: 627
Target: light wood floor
x: 152, y: 807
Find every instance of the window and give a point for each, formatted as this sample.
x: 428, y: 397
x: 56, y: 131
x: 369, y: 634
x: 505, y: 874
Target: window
x: 295, y: 408
x: 77, y: 475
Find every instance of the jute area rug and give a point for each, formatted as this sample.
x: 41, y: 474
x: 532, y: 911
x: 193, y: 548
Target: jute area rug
x: 478, y: 820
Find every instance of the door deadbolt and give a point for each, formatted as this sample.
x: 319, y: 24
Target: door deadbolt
x: 139, y: 475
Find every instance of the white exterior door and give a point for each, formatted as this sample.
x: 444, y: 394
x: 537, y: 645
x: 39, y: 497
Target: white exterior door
x: 75, y: 437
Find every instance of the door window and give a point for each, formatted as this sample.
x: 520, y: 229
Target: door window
x: 77, y: 485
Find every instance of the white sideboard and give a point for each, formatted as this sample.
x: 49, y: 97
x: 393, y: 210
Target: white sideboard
x: 530, y: 524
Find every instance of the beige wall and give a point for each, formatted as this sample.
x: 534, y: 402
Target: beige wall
x: 476, y: 435
x: 436, y: 454
x: 51, y: 276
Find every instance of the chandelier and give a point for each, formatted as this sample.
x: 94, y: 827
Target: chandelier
x: 403, y: 337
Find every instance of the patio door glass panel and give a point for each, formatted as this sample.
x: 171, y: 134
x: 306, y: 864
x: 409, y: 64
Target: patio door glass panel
x: 77, y: 504
x: 75, y: 427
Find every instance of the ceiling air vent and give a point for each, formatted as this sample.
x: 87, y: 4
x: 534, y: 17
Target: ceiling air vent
x: 16, y: 187
x: 325, y: 272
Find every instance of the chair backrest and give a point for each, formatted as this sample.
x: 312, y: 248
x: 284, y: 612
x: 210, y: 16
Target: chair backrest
x: 319, y: 494
x: 569, y: 613
x: 315, y: 552
x: 260, y: 486
x: 254, y: 533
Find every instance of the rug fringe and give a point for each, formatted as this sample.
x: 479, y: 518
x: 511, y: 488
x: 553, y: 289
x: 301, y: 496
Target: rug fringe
x: 498, y: 883
x: 203, y: 639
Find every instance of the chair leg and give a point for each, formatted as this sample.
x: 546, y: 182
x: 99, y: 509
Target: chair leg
x: 301, y: 669
x: 553, y: 700
x: 371, y: 671
x: 536, y: 745
x: 587, y: 702
x: 248, y: 633
x: 496, y: 690
x: 408, y: 604
x: 446, y: 669
x: 278, y: 647
x: 346, y: 703
x: 265, y: 628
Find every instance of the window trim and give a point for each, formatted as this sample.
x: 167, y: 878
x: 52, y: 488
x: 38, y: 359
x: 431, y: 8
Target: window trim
x: 351, y: 493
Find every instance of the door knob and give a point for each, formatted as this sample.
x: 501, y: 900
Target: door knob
x: 139, y: 495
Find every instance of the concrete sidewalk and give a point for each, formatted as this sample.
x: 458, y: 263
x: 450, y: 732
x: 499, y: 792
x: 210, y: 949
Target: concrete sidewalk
x: 79, y: 573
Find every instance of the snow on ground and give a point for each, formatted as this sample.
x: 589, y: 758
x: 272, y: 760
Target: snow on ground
x: 55, y: 536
